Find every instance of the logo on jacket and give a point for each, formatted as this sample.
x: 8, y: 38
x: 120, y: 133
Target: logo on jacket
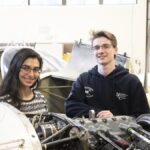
x: 121, y: 96
x: 88, y: 91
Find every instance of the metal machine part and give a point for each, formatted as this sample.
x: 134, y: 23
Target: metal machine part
x: 16, y: 131
x: 115, y: 133
x: 54, y: 131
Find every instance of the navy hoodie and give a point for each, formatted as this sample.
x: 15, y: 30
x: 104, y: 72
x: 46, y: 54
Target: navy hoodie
x: 120, y: 92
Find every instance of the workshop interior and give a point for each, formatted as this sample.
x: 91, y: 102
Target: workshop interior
x: 59, y: 30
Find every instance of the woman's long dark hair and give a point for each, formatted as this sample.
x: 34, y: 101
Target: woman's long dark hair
x: 11, y: 84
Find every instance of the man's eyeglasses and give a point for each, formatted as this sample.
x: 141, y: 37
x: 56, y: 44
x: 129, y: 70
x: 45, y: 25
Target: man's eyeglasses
x: 103, y: 47
x: 28, y: 69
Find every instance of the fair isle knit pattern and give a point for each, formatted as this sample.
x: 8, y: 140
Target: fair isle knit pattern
x: 37, y: 105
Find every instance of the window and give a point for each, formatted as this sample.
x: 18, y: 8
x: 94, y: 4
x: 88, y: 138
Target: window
x: 82, y: 2
x: 62, y: 2
x: 45, y: 2
x: 119, y: 1
x: 13, y: 2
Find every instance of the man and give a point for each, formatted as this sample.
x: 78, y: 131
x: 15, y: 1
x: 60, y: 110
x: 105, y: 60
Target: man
x: 106, y: 88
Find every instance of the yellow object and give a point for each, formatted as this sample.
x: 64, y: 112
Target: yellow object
x: 66, y: 56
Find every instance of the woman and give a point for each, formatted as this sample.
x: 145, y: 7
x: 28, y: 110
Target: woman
x: 18, y: 87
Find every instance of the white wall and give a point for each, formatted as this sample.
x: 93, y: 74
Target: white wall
x: 68, y: 23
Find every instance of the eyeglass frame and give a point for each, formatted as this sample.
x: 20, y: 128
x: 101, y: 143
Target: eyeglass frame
x: 28, y: 69
x: 103, y: 47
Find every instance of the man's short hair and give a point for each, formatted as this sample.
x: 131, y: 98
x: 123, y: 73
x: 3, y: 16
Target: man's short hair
x: 106, y: 34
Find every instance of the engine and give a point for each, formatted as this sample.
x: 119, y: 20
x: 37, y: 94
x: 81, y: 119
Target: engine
x: 54, y: 131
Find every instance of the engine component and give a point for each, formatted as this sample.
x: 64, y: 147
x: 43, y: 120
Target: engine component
x: 54, y: 131
x: 16, y: 131
x: 115, y: 133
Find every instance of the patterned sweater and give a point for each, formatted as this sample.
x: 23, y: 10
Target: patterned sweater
x: 36, y: 105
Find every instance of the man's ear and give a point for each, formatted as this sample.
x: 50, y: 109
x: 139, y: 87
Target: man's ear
x: 116, y: 51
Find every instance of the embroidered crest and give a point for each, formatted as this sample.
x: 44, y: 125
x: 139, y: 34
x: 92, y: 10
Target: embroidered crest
x: 121, y: 96
x: 88, y: 91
